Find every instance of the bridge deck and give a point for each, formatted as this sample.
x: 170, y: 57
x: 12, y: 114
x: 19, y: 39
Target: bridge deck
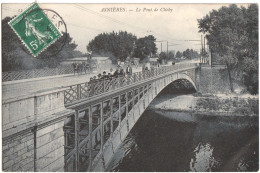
x: 23, y: 88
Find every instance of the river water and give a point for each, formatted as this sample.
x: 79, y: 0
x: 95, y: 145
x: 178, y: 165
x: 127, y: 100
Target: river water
x: 175, y: 141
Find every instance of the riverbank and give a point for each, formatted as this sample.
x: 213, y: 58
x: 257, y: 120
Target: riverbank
x: 219, y: 104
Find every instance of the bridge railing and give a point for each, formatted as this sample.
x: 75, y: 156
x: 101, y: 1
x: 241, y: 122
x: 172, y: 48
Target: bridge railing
x: 90, y: 89
x: 36, y: 73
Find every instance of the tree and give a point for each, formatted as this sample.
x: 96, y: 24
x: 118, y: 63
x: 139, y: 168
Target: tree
x: 145, y: 47
x: 232, y: 33
x: 190, y: 54
x: 115, y: 45
x: 162, y: 57
x: 171, y: 55
x: 15, y: 56
x: 178, y: 54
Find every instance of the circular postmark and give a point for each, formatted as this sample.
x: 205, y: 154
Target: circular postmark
x: 59, y: 23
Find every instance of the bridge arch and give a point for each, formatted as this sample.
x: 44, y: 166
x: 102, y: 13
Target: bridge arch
x: 134, y: 114
x: 182, y: 81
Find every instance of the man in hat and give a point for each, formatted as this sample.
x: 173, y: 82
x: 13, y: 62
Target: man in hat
x: 104, y: 75
x: 128, y: 70
x: 99, y: 76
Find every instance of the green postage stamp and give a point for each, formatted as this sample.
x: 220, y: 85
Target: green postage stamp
x: 35, y: 29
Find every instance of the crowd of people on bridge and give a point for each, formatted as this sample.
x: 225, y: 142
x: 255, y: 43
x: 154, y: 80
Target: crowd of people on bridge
x: 119, y: 72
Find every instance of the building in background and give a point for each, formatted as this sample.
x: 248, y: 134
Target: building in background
x: 68, y: 62
x: 102, y: 62
x: 154, y: 61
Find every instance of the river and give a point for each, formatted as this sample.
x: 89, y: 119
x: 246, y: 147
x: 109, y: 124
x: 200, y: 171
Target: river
x: 179, y: 141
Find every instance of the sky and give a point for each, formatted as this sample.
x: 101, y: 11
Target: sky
x: 175, y: 23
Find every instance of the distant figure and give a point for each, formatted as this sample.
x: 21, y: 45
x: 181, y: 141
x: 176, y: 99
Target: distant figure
x: 84, y: 66
x: 109, y: 76
x: 143, y: 67
x: 104, y: 75
x: 99, y: 76
x: 94, y: 79
x: 129, y: 70
x: 74, y: 66
x: 173, y: 63
x: 91, y: 81
x: 116, y: 73
x: 77, y: 68
x: 121, y: 73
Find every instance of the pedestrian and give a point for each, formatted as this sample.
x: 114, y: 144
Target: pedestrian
x: 94, y: 79
x: 109, y: 76
x: 99, y: 76
x: 104, y: 75
x: 74, y: 67
x: 77, y: 68
x: 143, y: 67
x: 129, y: 70
x: 121, y: 73
x: 84, y: 66
x: 116, y: 73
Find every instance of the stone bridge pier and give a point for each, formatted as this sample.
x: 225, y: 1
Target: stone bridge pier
x: 33, y: 136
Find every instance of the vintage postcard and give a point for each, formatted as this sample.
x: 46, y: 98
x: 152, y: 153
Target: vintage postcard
x: 130, y: 87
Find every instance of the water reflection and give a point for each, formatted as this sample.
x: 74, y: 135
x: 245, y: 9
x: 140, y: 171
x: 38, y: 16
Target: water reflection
x: 203, y: 158
x: 178, y: 141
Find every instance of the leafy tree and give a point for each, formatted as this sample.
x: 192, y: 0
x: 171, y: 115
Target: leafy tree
x: 178, y: 54
x: 15, y: 55
x: 116, y: 45
x: 190, y: 54
x: 162, y: 57
x: 171, y: 55
x: 145, y: 47
x: 232, y: 33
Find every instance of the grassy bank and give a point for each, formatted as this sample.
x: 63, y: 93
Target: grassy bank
x: 234, y: 105
x: 242, y: 105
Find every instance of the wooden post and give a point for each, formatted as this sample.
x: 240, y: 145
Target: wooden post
x: 90, y: 138
x: 77, y: 139
x: 111, y: 116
